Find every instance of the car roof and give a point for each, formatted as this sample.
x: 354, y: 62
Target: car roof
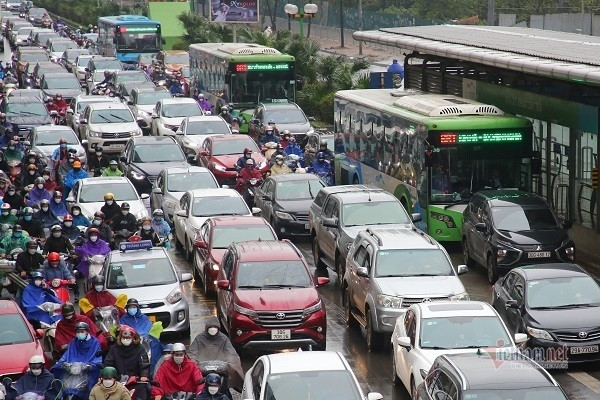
x: 144, y: 89
x: 108, y: 106
x: 178, y: 100
x: 129, y: 72
x: 8, y: 307
x: 153, y: 253
x: 49, y: 127
x: 306, y: 361
x: 366, y: 196
x: 239, y: 220
x: 202, y: 118
x: 280, y: 105
x: 59, y: 75
x: 552, y: 270
x: 233, y: 138
x: 294, y: 177
x: 216, y: 192
x: 104, y: 58
x: 507, y: 198
x: 142, y: 140
x: 96, y: 98
x: 348, y: 188
x: 105, y: 180
x: 408, y: 238
x: 267, y: 250
x: 182, y: 170
x: 439, y: 309
x: 485, y: 371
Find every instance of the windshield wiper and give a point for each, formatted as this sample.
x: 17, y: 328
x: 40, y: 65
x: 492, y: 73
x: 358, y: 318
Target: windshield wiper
x: 574, y: 306
x: 104, y: 118
x: 29, y: 113
x: 119, y: 118
x: 275, y: 286
x: 436, y: 347
x: 310, y: 191
x: 249, y: 287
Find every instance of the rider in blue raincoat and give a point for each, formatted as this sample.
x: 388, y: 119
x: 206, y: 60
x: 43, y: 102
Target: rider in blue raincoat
x: 34, y: 295
x: 322, y: 168
x: 160, y: 226
x: 75, y: 174
x: 85, y: 348
x: 142, y: 325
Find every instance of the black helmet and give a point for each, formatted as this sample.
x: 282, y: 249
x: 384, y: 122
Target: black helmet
x: 68, y: 308
x: 213, y: 379
x: 37, y: 274
x: 32, y: 244
x: 132, y: 302
x: 98, y: 280
x: 82, y: 325
x: 99, y: 214
x: 125, y: 206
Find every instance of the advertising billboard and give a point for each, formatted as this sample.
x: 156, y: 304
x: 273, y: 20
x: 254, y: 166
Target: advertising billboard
x: 234, y: 11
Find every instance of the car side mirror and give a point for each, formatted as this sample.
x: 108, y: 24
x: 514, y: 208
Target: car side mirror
x: 256, y: 211
x: 84, y: 142
x: 266, y: 197
x: 144, y: 196
x: 416, y: 217
x: 521, y: 338
x: 311, y: 119
x: 374, y: 396
x: 175, y: 128
x: 70, y: 200
x: 462, y: 269
x: 123, y: 159
x: 70, y: 111
x: 511, y: 304
x: 181, y: 213
x: 129, y: 102
x: 83, y: 121
x: 185, y: 277
x: 567, y: 224
x: 330, y: 222
x: 223, y: 284
x: 201, y: 244
x: 362, y: 271
x: 154, y: 115
x: 481, y: 227
x: 204, y: 153
x: 404, y: 341
x: 322, y: 281
x: 157, y: 190
x: 191, y: 158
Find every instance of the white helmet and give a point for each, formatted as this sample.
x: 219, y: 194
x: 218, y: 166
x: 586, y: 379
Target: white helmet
x: 36, y: 360
x: 178, y: 347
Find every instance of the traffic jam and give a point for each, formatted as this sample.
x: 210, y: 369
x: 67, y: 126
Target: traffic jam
x: 174, y: 226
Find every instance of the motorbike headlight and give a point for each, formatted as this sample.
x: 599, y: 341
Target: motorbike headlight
x: 283, y: 215
x: 386, y: 301
x: 460, y: 296
x: 137, y: 175
x: 310, y: 130
x: 175, y: 296
x: 245, y: 311
x: 312, y: 309
x: 539, y: 334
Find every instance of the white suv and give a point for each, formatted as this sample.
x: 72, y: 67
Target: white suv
x: 108, y: 125
x: 169, y: 114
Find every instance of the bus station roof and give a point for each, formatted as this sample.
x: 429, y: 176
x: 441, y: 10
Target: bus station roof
x: 559, y: 55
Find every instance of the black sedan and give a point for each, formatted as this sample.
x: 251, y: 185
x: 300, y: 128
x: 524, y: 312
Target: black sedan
x: 504, y: 229
x: 284, y: 201
x: 145, y: 157
x: 557, y: 305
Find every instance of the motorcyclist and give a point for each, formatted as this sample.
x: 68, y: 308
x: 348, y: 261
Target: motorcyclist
x: 147, y: 232
x: 6, y: 216
x: 70, y: 230
x: 55, y: 268
x: 36, y: 380
x: 323, y: 148
x: 107, y: 79
x: 8, y: 135
x: 241, y: 162
x: 58, y: 242
x: 124, y: 220
x: 45, y: 216
x: 32, y: 158
x: 144, y: 327
x: 13, y: 198
x: 110, y: 207
x: 78, y: 218
x: 34, y: 295
x: 50, y: 184
x: 175, y: 88
x: 13, y: 240
x: 109, y: 387
x: 279, y: 167
x: 85, y: 348
x: 179, y: 373
x: 28, y: 175
x: 269, y: 136
x: 278, y: 151
x: 65, y: 329
x: 57, y: 205
x: 65, y: 165
x: 59, y: 104
x: 113, y: 169
x: 226, y: 115
x: 272, y: 124
x: 247, y: 173
x: 3, y: 185
x: 30, y: 224
x: 321, y: 166
x: 285, y: 138
x: 74, y: 175
x: 98, y: 297
x: 14, y: 151
x: 10, y: 79
x: 103, y: 229
x: 92, y: 246
x: 61, y: 152
x: 293, y: 148
x: 212, y: 344
x: 29, y: 261
x: 98, y: 161
x: 160, y: 226
x: 129, y: 358
x: 38, y: 193
x: 212, y: 389
x: 203, y: 103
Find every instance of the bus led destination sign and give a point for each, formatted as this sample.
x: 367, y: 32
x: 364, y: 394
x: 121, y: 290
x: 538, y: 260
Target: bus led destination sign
x: 262, y: 67
x: 449, y: 139
x: 139, y: 29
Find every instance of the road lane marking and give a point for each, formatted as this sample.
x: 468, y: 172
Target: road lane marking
x: 586, y: 379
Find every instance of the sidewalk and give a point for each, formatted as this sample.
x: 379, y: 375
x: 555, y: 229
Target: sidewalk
x: 378, y: 58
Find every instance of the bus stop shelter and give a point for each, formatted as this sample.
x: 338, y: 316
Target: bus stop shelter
x: 553, y: 78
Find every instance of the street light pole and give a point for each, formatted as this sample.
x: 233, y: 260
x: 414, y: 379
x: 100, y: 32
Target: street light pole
x: 307, y: 11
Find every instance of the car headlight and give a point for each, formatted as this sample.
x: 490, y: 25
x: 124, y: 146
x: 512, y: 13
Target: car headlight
x: 283, y: 215
x: 135, y: 132
x: 175, y: 296
x: 245, y: 311
x: 460, y: 296
x: 142, y: 113
x: 169, y: 204
x: 386, y: 301
x: 93, y: 134
x: 169, y: 126
x: 137, y: 175
x: 539, y: 334
x: 312, y: 309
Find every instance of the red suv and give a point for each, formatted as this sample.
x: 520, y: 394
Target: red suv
x: 267, y: 298
x: 220, y: 153
x: 215, y: 236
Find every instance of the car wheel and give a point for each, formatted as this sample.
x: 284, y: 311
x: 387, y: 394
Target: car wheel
x: 207, y: 291
x: 317, y: 253
x: 188, y: 249
x: 178, y: 244
x: 348, y: 317
x: 413, y: 388
x: 340, y: 266
x: 466, y: 256
x: 196, y: 272
x: 395, y: 378
x: 492, y: 270
x: 374, y: 339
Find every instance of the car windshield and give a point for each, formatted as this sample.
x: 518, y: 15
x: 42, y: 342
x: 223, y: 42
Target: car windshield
x: 14, y: 330
x: 48, y: 137
x: 182, y: 58
x: 24, y: 31
x: 139, y: 76
x: 98, y: 76
x: 61, y: 83
x: 415, y: 262
x: 374, y: 213
x: 223, y: 147
x: 286, y: 116
x: 101, y: 65
x: 151, y: 98
x: 462, y: 332
x: 538, y: 393
x: 222, y: 237
x: 83, y: 61
x: 298, y: 190
x: 179, y: 110
x: 139, y: 273
x: 159, y: 152
x: 61, y: 47
x: 517, y: 219
x: 311, y: 385
x: 211, y: 206
x: 272, y: 274
x: 30, y: 57
x: 111, y: 116
x: 73, y: 53
x: 184, y: 181
x: 563, y: 292
x: 26, y: 109
x: 123, y: 191
x: 207, y: 128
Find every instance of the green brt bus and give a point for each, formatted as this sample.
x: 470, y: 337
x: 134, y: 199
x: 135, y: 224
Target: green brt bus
x: 431, y: 151
x: 242, y: 74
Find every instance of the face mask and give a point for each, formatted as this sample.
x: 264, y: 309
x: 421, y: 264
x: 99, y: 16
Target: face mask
x: 178, y: 359
x: 213, y: 390
x: 93, y: 238
x: 63, y: 145
x: 98, y: 288
x: 11, y: 147
x: 17, y: 234
x: 99, y: 154
x: 279, y: 162
x: 75, y: 212
x: 38, y: 282
x: 158, y: 219
x: 27, y: 217
x: 212, y: 331
x: 68, y: 224
x: 132, y: 311
x: 71, y: 160
x: 31, y: 172
x: 40, y: 185
x: 46, y: 177
x: 82, y: 336
x: 109, y: 202
x: 11, y: 192
x: 57, y: 200
x: 4, y: 212
x: 32, y: 251
x: 76, y: 169
x: 146, y: 227
x: 36, y: 371
x: 97, y: 222
x: 125, y: 212
x: 56, y: 234
x: 108, y: 382
x: 44, y: 208
x: 126, y: 342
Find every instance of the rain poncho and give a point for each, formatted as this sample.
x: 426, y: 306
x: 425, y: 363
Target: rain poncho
x: 9, y: 219
x: 110, y: 172
x: 80, y: 220
x: 32, y: 383
x: 59, y: 209
x: 161, y: 227
x: 34, y: 296
x: 72, y: 177
x: 46, y: 218
x: 172, y: 378
x: 13, y: 155
x: 35, y: 195
x: 60, y: 272
x: 294, y: 149
x: 65, y: 331
x: 10, y: 242
x: 89, y: 249
x: 144, y: 327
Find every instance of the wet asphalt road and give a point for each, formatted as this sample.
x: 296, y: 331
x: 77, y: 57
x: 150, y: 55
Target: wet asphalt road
x: 373, y: 370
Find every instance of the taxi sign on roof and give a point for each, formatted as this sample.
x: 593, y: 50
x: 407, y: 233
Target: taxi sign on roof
x: 141, y: 245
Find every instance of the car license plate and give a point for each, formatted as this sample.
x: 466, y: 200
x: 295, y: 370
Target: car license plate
x: 116, y: 146
x: 281, y: 334
x: 584, y: 350
x: 152, y: 318
x: 539, y: 254
x: 306, y: 226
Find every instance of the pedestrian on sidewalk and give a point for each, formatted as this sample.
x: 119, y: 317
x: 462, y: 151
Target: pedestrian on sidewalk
x: 396, y: 69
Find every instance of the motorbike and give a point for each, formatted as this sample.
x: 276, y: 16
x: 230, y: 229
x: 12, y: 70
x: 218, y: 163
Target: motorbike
x: 268, y: 149
x: 96, y: 263
x: 326, y: 177
x: 61, y: 288
x: 294, y: 162
x: 58, y: 118
x: 52, y: 393
x: 76, y: 380
x: 220, y: 368
x: 122, y: 235
x: 107, y: 319
x: 101, y: 89
x: 51, y: 351
x: 248, y: 190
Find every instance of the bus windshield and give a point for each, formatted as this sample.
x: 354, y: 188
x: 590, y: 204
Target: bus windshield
x: 253, y: 87
x: 138, y: 38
